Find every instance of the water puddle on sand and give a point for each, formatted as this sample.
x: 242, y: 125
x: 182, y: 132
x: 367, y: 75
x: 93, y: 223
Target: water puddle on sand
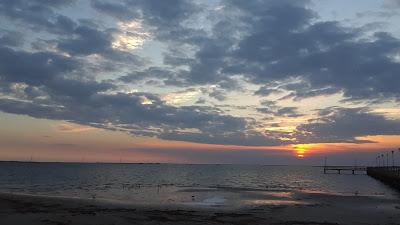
x: 229, y: 198
x: 274, y: 202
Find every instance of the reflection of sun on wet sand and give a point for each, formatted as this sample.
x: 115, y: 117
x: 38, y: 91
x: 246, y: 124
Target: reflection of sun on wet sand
x: 306, y: 208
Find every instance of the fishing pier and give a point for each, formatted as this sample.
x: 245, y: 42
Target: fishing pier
x: 383, y: 171
x: 389, y: 174
x: 341, y: 169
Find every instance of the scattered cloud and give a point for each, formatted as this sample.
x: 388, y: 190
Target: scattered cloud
x: 181, y: 96
x: 338, y: 125
x: 129, y: 36
x: 73, y: 128
x: 155, y: 68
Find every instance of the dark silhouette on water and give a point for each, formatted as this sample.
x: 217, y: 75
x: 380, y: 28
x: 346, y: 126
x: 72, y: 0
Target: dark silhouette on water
x: 389, y: 175
x: 385, y: 173
x: 339, y: 169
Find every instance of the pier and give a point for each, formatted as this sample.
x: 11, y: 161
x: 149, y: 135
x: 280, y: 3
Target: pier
x: 389, y: 175
x: 340, y: 169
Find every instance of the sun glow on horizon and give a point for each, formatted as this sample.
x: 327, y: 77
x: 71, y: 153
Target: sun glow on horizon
x: 302, y: 150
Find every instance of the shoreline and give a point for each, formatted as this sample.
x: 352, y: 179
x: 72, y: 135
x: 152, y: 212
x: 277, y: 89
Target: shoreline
x: 322, y: 208
x: 214, y: 199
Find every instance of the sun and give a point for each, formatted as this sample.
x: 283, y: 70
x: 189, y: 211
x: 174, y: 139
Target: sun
x: 301, y: 150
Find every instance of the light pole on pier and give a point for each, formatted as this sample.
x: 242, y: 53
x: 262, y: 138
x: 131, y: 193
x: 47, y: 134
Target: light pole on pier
x: 392, y: 158
x: 399, y: 154
x: 383, y: 160
x: 387, y: 159
x: 379, y: 160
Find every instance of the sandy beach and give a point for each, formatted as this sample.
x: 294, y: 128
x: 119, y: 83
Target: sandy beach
x: 309, y: 208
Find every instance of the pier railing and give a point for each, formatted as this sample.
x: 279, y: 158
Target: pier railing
x: 339, y: 169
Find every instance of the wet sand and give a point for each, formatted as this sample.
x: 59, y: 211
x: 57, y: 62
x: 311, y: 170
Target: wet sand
x: 307, y: 208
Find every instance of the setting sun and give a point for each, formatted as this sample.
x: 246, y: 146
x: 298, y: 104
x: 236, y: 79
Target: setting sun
x: 300, y: 150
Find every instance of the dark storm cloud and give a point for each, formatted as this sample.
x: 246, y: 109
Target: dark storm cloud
x: 345, y: 125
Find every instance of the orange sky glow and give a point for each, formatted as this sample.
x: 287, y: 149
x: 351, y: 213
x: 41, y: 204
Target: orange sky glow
x: 47, y: 140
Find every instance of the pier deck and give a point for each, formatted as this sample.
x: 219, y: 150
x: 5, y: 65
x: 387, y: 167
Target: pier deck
x: 339, y: 169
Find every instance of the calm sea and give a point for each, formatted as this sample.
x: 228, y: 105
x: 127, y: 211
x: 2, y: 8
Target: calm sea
x: 179, y: 184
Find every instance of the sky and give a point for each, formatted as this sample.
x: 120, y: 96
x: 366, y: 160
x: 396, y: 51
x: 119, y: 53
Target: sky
x: 216, y: 81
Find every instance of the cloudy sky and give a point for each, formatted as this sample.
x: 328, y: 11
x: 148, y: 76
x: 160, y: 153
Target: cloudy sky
x: 216, y: 81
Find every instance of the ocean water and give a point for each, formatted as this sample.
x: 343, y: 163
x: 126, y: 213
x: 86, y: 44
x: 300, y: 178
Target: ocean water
x: 201, y: 185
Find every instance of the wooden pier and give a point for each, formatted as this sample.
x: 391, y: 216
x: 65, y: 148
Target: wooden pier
x: 389, y: 175
x: 340, y: 169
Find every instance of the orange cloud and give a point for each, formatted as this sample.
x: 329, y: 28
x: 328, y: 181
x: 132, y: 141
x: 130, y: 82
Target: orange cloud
x: 73, y: 128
